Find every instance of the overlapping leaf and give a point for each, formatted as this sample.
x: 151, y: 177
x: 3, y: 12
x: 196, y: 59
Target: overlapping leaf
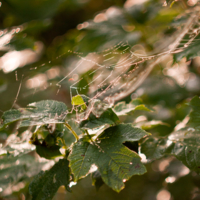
x: 38, y: 113
x: 97, y: 180
x: 136, y: 104
x: 146, y: 125
x: 46, y: 184
x: 17, y: 145
x: 16, y: 169
x: 115, y: 162
x: 195, y: 114
x: 184, y: 143
x: 107, y: 117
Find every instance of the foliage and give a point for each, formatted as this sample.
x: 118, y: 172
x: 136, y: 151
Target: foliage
x: 60, y: 131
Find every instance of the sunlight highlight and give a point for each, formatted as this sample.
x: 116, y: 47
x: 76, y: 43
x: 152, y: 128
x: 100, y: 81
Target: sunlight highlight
x: 130, y: 3
x: 14, y: 59
x: 163, y: 195
x: 39, y: 80
x: 100, y: 18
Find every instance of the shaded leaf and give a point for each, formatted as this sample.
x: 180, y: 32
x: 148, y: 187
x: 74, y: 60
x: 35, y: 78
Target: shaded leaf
x: 19, y: 42
x: 28, y: 11
x: 107, y: 117
x: 153, y: 148
x: 45, y: 184
x: 194, y: 120
x: 67, y: 134
x: 115, y: 162
x: 184, y: 144
x: 48, y: 152
x: 97, y: 180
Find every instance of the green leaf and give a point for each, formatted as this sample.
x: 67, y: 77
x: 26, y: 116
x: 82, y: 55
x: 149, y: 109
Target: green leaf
x: 153, y: 148
x: 186, y: 147
x: 184, y: 144
x: 107, y: 117
x: 136, y: 104
x: 67, y: 134
x: 48, y: 152
x: 146, y: 125
x: 194, y: 120
x: 46, y: 184
x: 17, y: 169
x: 27, y: 11
x: 116, y: 163
x: 38, y: 113
x: 190, y: 52
x: 78, y: 101
x: 19, y: 42
x: 17, y: 145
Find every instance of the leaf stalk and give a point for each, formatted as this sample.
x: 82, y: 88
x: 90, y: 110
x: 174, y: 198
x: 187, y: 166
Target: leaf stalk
x: 73, y: 132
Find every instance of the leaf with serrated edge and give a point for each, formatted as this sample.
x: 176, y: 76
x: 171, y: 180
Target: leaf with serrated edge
x: 46, y: 184
x: 153, y: 148
x: 38, y: 113
x: 115, y: 162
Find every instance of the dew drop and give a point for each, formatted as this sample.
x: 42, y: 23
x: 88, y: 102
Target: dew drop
x: 124, y: 180
x: 131, y: 163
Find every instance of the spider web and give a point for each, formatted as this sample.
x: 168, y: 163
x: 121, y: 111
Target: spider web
x: 115, y: 73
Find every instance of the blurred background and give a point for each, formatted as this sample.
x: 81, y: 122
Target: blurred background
x: 41, y: 41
